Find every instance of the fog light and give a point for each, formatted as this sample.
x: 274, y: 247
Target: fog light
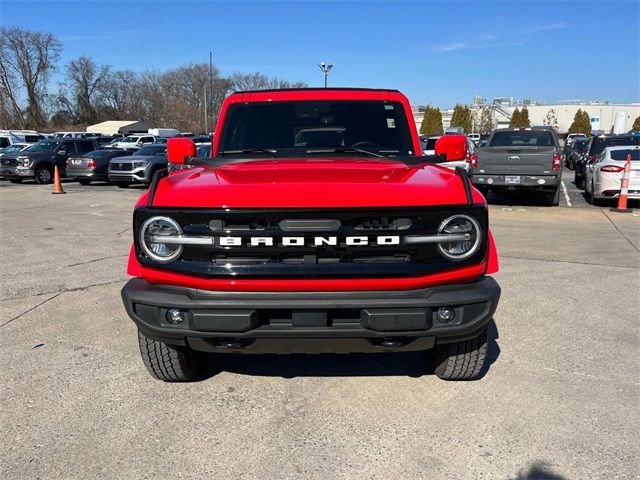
x: 446, y: 314
x: 174, y: 316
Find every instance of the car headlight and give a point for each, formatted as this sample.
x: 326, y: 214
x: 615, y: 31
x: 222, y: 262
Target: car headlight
x: 151, y: 233
x: 460, y: 249
x: 24, y: 161
x: 141, y: 164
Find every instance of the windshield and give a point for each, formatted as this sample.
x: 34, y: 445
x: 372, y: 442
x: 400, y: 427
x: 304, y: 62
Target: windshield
x: 622, y: 154
x: 129, y: 139
x: 532, y: 138
x: 297, y: 128
x: 12, y: 149
x: 44, y: 146
x: 580, y: 145
x: 156, y: 150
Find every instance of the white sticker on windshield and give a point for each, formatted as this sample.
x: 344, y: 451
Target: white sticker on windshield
x: 391, y: 123
x: 388, y: 107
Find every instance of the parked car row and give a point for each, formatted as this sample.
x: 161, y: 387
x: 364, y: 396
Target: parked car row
x: 87, y: 160
x: 599, y: 168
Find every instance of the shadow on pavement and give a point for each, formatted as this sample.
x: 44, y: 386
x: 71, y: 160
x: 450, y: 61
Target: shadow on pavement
x: 538, y: 471
x: 409, y: 364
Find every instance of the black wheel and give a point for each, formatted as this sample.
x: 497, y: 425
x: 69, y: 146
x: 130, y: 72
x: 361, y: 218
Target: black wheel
x: 460, y: 360
x: 44, y: 175
x: 84, y: 181
x: 579, y: 181
x: 170, y: 363
x: 553, y: 198
x: 123, y: 184
x: 15, y: 180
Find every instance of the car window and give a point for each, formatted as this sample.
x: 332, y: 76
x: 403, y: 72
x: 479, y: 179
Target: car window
x: 84, y: 147
x: 600, y: 143
x: 4, y: 142
x: 69, y: 147
x: 128, y: 139
x: 431, y: 144
x: 622, y: 154
x: 533, y: 138
x: 152, y: 150
x: 204, y: 151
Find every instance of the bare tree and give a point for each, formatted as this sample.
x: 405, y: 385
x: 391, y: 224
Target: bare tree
x: 85, y: 83
x: 259, y: 81
x: 27, y: 59
x: 121, y: 96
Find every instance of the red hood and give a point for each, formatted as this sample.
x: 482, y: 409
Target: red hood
x: 312, y: 183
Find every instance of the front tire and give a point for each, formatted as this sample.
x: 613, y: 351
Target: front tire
x: 84, y: 181
x: 123, y: 184
x: 169, y: 363
x: 44, y: 175
x: 461, y: 360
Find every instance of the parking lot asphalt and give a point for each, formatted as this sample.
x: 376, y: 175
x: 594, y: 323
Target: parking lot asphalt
x: 560, y: 400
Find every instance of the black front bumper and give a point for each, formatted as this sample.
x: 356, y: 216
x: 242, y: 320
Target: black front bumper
x: 311, y: 322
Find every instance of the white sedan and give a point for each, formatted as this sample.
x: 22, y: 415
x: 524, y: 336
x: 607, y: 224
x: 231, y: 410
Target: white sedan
x: 604, y: 175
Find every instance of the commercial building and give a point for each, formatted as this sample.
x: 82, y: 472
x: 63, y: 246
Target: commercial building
x: 605, y: 117
x: 125, y: 127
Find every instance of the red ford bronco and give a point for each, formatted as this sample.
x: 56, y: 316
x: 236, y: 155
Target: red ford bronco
x: 315, y: 226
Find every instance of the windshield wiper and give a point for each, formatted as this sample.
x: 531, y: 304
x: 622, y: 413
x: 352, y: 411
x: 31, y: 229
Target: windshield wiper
x: 271, y: 152
x: 343, y: 150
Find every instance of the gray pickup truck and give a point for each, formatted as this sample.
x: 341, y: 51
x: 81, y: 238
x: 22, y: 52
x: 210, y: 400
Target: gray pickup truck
x: 520, y: 159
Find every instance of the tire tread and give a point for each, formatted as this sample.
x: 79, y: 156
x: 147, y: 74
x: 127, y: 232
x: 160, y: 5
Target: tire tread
x: 170, y: 363
x: 461, y: 360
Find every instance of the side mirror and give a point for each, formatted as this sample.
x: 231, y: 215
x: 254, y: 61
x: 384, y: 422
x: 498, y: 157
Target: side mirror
x: 61, y: 152
x: 453, y: 147
x: 180, y: 148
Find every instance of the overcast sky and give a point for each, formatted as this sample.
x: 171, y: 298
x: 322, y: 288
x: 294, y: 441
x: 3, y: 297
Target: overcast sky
x: 435, y: 52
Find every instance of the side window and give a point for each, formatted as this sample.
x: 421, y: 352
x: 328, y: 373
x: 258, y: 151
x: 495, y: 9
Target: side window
x: 84, y: 147
x: 4, y: 142
x: 148, y: 140
x: 69, y: 147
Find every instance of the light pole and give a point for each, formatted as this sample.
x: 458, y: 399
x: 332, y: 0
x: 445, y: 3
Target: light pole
x: 326, y: 68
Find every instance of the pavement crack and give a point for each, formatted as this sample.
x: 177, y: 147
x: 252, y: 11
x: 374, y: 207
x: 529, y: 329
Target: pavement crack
x: 570, y: 261
x: 58, y: 292
x: 63, y: 266
x: 31, y: 309
x: 620, y: 231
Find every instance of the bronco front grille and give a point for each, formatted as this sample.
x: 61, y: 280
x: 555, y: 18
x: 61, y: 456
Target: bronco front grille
x: 307, y: 259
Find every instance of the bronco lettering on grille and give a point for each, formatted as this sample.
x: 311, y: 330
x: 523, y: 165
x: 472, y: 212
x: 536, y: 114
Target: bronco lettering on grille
x: 360, y: 240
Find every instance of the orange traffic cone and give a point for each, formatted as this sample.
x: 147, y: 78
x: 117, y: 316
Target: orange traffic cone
x: 624, y: 188
x: 57, y: 184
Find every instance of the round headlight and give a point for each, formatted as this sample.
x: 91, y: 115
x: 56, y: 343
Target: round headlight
x: 151, y: 233
x: 460, y: 225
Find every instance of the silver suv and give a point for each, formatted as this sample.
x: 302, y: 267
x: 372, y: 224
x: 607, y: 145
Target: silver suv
x: 139, y: 167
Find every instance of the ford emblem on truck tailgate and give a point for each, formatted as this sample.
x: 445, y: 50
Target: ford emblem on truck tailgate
x: 513, y: 158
